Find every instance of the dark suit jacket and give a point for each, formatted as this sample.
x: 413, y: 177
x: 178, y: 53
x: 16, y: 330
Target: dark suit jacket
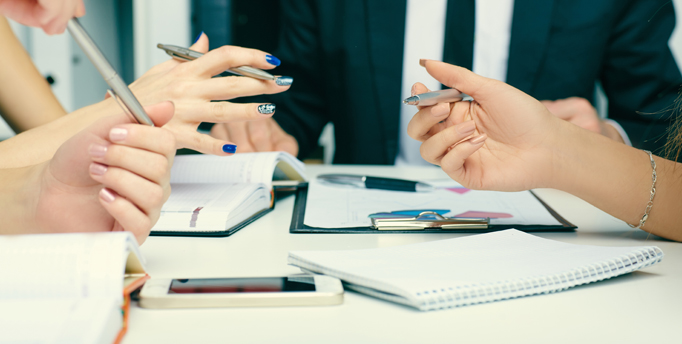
x: 346, y: 60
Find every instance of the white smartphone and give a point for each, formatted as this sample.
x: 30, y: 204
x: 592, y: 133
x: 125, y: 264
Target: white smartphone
x: 296, y: 290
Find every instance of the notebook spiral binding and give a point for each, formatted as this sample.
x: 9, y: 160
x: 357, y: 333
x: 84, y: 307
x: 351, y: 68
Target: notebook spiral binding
x: 473, y: 294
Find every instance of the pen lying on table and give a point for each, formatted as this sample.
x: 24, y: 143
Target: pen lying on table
x: 190, y: 55
x: 375, y: 182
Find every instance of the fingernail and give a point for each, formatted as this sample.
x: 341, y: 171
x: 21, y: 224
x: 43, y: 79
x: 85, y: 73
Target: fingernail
x: 466, y: 127
x: 440, y: 109
x: 479, y: 139
x: 284, y: 80
x: 106, y: 195
x: 272, y: 60
x: 97, y: 151
x: 422, y: 62
x: 197, y: 39
x: 98, y: 169
x: 118, y: 134
x: 266, y: 108
x: 412, y: 91
x: 229, y: 148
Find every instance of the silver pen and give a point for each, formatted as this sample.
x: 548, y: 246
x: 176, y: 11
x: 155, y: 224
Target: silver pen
x: 119, y: 90
x: 432, y: 98
x: 189, y: 55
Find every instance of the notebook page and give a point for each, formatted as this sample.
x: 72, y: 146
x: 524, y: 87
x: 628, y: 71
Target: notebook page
x: 238, y: 168
x: 74, y: 265
x: 203, y: 206
x: 485, y: 259
x: 76, y: 321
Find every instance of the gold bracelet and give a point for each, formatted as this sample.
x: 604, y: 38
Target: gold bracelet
x: 651, y: 196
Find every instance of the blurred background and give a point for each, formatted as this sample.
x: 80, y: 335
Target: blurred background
x: 127, y: 31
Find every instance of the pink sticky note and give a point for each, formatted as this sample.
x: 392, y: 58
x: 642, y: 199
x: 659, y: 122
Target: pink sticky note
x: 475, y: 213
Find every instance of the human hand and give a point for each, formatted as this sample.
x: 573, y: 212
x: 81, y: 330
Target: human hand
x: 580, y: 112
x: 49, y: 15
x: 113, y: 176
x: 511, y: 153
x: 191, y: 87
x: 256, y: 136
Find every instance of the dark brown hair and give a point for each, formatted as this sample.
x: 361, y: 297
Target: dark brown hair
x: 673, y: 147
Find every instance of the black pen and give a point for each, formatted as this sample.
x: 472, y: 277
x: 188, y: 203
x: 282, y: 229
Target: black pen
x: 369, y: 182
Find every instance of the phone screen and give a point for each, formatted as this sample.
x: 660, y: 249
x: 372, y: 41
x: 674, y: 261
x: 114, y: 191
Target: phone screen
x: 242, y: 285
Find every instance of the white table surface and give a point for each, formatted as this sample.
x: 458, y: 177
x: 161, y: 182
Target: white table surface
x: 645, y: 306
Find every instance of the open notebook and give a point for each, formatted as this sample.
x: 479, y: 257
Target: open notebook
x: 67, y: 288
x: 474, y: 269
x: 217, y: 196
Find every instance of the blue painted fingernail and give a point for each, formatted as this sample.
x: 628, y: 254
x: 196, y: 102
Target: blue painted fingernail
x: 272, y: 60
x: 197, y: 39
x: 230, y: 148
x: 266, y: 108
x: 284, y: 80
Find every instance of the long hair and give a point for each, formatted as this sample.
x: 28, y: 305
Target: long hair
x: 673, y: 148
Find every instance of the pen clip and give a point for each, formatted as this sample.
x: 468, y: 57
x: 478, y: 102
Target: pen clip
x: 421, y: 222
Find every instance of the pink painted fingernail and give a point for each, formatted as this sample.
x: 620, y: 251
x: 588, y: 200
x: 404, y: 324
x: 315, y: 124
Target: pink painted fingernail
x: 478, y: 139
x: 98, y: 169
x: 106, y: 195
x: 422, y: 62
x: 466, y: 127
x: 97, y: 151
x: 440, y: 109
x: 118, y: 134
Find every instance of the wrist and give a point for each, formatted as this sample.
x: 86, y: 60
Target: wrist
x: 19, y: 199
x: 559, y: 152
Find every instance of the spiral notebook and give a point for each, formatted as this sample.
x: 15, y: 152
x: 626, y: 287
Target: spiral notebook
x: 475, y: 269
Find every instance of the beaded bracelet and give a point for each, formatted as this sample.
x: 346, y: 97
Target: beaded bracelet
x: 651, y: 196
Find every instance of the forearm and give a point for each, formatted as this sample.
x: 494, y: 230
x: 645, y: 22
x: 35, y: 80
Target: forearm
x: 18, y: 199
x: 617, y: 179
x: 26, y: 100
x: 39, y: 144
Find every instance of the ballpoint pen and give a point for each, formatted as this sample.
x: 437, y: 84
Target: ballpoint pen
x: 369, y: 182
x: 189, y: 55
x: 432, y: 98
x: 119, y: 90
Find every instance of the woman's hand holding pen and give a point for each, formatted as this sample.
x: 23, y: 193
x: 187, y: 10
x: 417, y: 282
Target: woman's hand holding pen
x: 191, y: 86
x: 513, y: 150
x: 112, y: 176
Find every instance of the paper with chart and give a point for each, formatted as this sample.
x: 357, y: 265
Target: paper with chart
x: 345, y: 207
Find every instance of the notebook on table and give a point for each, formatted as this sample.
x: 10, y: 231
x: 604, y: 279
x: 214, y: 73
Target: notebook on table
x: 475, y: 269
x: 67, y: 288
x: 217, y: 196
x: 321, y: 208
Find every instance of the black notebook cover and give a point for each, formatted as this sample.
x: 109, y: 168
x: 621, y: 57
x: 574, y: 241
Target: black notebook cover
x: 297, y: 225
